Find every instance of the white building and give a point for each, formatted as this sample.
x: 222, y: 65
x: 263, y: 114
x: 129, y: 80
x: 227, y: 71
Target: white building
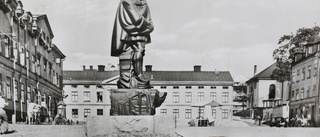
x: 184, y: 88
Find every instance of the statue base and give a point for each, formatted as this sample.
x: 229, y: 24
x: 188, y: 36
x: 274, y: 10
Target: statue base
x: 135, y: 101
x: 128, y: 126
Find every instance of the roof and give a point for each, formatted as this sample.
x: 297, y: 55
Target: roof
x: 205, y: 77
x: 44, y: 16
x: 264, y: 74
x: 189, y: 76
x: 87, y: 76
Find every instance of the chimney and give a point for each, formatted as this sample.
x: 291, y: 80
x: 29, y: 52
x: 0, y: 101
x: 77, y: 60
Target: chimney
x: 91, y: 67
x: 101, y: 68
x: 254, y: 70
x: 148, y: 68
x: 197, y: 68
x: 84, y: 67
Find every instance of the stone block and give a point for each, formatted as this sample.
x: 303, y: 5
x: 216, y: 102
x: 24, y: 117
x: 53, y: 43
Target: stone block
x: 145, y: 126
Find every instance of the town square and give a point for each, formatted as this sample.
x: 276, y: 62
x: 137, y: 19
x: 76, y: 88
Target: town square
x: 182, y: 68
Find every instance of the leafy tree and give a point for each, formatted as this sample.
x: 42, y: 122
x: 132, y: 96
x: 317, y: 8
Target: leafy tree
x: 288, y: 46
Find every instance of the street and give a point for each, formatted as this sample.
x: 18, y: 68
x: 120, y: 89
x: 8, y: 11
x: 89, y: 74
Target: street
x: 237, y: 128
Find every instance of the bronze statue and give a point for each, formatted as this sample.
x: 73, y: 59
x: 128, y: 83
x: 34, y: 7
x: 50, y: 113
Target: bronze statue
x: 132, y: 28
x: 131, y: 32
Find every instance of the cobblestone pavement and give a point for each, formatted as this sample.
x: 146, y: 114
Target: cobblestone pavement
x: 24, y: 130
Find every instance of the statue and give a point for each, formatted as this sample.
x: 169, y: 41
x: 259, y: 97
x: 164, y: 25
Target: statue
x: 132, y: 28
x: 131, y: 32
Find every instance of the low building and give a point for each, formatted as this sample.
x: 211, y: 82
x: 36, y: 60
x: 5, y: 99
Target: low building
x: 265, y: 97
x: 184, y: 88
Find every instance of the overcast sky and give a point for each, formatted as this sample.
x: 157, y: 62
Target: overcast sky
x: 225, y: 35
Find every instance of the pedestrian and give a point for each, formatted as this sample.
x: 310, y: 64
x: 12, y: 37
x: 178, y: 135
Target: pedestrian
x: 3, y: 115
x: 258, y: 118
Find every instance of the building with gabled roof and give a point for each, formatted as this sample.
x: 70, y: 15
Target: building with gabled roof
x: 184, y: 88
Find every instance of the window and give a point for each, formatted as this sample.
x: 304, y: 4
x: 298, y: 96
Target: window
x: 214, y: 113
x: 213, y: 87
x: 74, y: 96
x: 315, y: 70
x: 188, y: 114
x: 225, y: 87
x: 188, y: 97
x: 163, y: 87
x: 225, y: 113
x: 200, y: 87
x: 309, y: 72
x: 22, y: 92
x: 86, y: 96
x: 99, y: 96
x: 163, y: 112
x: 33, y: 65
x: 15, y: 90
x: 297, y: 94
x: 200, y: 96
x: 29, y: 94
x: 303, y: 73
x: 293, y: 77
x: 302, y: 93
x: 74, y: 113
x: 1, y: 89
x: 175, y: 97
x: 308, y: 92
x: 188, y: 87
x: 87, y: 86
x: 201, y: 112
x: 292, y: 95
x: 175, y: 87
x: 99, y: 112
x: 44, y: 64
x: 314, y: 90
x: 213, y: 96
x: 28, y: 60
x: 74, y: 86
x: 225, y: 97
x: 87, y: 112
x: 298, y: 73
x: 176, y: 113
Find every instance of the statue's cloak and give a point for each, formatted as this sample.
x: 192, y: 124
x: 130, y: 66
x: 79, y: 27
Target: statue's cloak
x: 132, y: 23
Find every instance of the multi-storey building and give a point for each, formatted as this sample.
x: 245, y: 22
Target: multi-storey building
x: 30, y: 64
x: 184, y: 88
x: 304, y: 93
x: 88, y: 92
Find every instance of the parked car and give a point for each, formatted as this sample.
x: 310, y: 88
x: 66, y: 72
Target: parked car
x: 278, y: 122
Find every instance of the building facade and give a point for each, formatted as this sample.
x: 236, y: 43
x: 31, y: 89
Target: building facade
x: 30, y: 64
x: 239, y: 94
x: 88, y: 92
x: 304, y: 93
x: 265, y: 97
x: 184, y: 88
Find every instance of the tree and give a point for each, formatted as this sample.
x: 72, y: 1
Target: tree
x: 285, y: 53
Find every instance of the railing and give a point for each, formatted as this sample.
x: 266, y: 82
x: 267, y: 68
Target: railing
x: 271, y: 103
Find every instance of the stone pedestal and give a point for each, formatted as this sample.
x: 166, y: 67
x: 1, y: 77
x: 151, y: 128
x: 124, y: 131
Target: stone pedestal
x: 128, y: 126
x: 135, y: 101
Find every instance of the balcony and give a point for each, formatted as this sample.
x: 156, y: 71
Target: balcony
x: 272, y: 103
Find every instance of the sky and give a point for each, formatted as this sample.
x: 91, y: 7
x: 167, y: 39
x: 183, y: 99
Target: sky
x: 224, y: 35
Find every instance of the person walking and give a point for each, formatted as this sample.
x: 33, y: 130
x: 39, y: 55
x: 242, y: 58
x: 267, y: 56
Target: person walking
x: 3, y: 116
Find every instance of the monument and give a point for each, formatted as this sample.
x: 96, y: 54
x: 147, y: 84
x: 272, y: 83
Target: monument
x: 134, y: 102
x: 131, y: 33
